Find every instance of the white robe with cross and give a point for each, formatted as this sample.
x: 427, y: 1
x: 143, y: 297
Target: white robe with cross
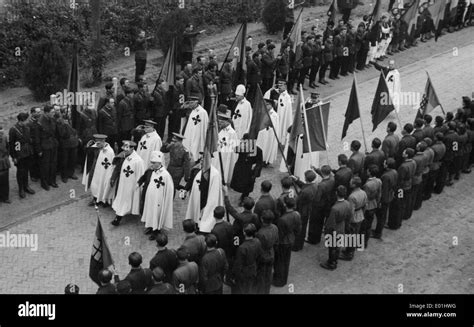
x: 195, y: 132
x: 127, y: 200
x: 285, y: 116
x: 228, y: 140
x: 100, y: 183
x: 267, y: 141
x: 394, y: 88
x: 242, y: 118
x: 148, y: 143
x: 158, y: 206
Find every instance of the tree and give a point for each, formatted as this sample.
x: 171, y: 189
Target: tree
x: 172, y: 25
x: 45, y: 70
x: 273, y: 15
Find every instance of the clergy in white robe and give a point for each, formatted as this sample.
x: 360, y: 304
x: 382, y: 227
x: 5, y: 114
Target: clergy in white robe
x: 285, y: 112
x: 129, y: 169
x: 205, y: 217
x: 159, y: 193
x: 98, y: 170
x: 149, y: 142
x: 304, y: 161
x: 242, y: 117
x: 266, y: 139
x: 227, y: 142
x: 394, y: 85
x: 195, y: 132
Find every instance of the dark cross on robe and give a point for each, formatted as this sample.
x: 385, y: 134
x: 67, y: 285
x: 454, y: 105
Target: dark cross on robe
x: 128, y: 171
x: 198, y: 181
x: 237, y: 114
x: 143, y: 145
x: 196, y: 120
x: 159, y: 182
x: 106, y: 163
x: 223, y: 142
x: 390, y: 79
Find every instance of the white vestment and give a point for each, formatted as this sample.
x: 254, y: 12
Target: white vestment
x: 228, y: 140
x: 304, y: 161
x: 267, y: 141
x: 285, y: 116
x: 195, y: 133
x: 394, y: 87
x: 127, y: 200
x: 100, y: 183
x: 242, y: 118
x: 158, y: 206
x: 205, y: 217
x: 148, y: 143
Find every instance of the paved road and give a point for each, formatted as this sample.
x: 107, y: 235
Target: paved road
x: 420, y: 257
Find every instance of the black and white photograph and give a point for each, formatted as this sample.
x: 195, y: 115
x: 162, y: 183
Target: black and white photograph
x: 237, y: 147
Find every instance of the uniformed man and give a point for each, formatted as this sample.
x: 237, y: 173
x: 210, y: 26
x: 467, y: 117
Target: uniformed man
x: 324, y: 200
x: 356, y: 161
x: 268, y: 236
x: 213, y: 267
x: 339, y: 217
x: 149, y: 142
x: 390, y: 143
x: 344, y: 174
x: 160, y: 286
x: 406, y: 172
x: 373, y: 189
x: 407, y: 141
x: 48, y: 147
x: 106, y: 286
x: 107, y: 123
x: 125, y: 115
x: 451, y: 140
x: 33, y: 125
x: 140, y: 279
x: 164, y: 258
x: 387, y: 200
x: 141, y: 102
x: 179, y: 164
x: 186, y: 276
x: 429, y: 153
x: 68, y: 144
x: 21, y: 151
x: 438, y: 168
x: 376, y: 157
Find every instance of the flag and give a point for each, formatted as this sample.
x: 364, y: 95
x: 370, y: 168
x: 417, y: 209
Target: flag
x: 317, y: 118
x: 239, y: 63
x: 297, y: 128
x: 352, y: 111
x: 209, y: 148
x: 73, y: 84
x: 382, y: 104
x: 295, y: 33
x: 437, y: 11
x: 260, y: 117
x: 429, y: 101
x: 168, y: 71
x: 333, y: 12
x: 101, y: 257
x: 411, y: 17
x: 377, y: 12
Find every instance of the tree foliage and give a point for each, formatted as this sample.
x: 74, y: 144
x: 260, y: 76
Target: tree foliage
x: 273, y: 15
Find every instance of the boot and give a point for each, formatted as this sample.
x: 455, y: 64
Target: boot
x: 148, y: 230
x: 116, y: 221
x: 22, y: 193
x: 29, y: 190
x: 328, y: 266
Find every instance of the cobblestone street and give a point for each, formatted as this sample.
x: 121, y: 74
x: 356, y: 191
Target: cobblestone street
x: 422, y: 256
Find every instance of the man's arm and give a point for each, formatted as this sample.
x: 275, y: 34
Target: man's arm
x: 234, y: 213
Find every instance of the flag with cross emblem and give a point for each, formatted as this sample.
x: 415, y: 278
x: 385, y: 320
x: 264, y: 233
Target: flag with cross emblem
x: 101, y: 257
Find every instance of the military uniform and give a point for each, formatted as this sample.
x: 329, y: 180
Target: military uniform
x: 125, y: 118
x: 249, y: 255
x: 140, y: 279
x: 406, y: 172
x: 212, y: 270
x: 356, y: 163
x: 339, y: 217
x: 417, y: 184
x: 68, y: 143
x: 387, y: 201
x: 269, y: 238
x: 304, y: 206
x: 179, y: 165
x: 167, y: 260
x: 186, y: 277
x: 21, y: 149
x: 49, y: 150
x: 107, y: 124
x: 325, y: 198
x: 358, y: 201
x: 373, y: 189
x: 390, y: 145
x: 437, y: 169
x: 34, y: 166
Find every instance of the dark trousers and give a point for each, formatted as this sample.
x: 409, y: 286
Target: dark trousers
x: 346, y: 13
x: 68, y: 159
x: 465, y: 161
x: 366, y: 227
x: 322, y: 71
x: 429, y: 185
x: 246, y: 285
x: 345, y: 62
x: 333, y: 255
x: 140, y: 66
x: 48, y: 166
x: 417, y: 195
x: 335, y: 67
x: 395, y: 213
x: 302, y: 75
x: 174, y: 122
x: 440, y: 179
x: 218, y: 291
x: 264, y: 277
x: 353, y: 229
x: 34, y: 166
x: 313, y: 73
x: 299, y: 239
x: 458, y: 163
x: 352, y: 59
x: 361, y: 57
x: 161, y: 126
x: 4, y: 185
x: 292, y: 77
x: 267, y: 83
x: 316, y: 222
x: 282, y: 264
x: 381, y: 214
x: 407, y: 203
x: 22, y: 167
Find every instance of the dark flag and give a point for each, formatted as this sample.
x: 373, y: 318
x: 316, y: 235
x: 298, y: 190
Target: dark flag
x: 437, y: 11
x: 237, y: 52
x: 209, y: 148
x: 333, y: 12
x: 430, y: 100
x: 317, y: 118
x: 353, y: 111
x: 260, y: 117
x: 382, y: 105
x: 377, y: 12
x: 101, y: 257
x: 73, y: 85
x: 295, y: 33
x: 411, y: 17
x: 168, y: 71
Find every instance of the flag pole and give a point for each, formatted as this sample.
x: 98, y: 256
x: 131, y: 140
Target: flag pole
x: 396, y: 112
x: 360, y: 116
x: 320, y: 108
x: 303, y: 110
x: 432, y: 86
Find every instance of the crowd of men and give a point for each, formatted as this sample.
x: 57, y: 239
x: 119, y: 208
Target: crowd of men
x: 120, y: 146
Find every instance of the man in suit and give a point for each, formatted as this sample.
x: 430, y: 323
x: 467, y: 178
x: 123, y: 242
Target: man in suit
x: 344, y: 174
x: 356, y: 161
x: 406, y: 173
x: 376, y: 157
x: 140, y: 279
x: 407, y: 141
x: 194, y: 245
x: 164, y: 258
x: 125, y: 115
x: 49, y: 147
x: 186, y: 276
x: 373, y: 189
x: 212, y: 268
x: 390, y: 143
x: 389, y: 187
x: 323, y: 202
x: 160, y: 106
